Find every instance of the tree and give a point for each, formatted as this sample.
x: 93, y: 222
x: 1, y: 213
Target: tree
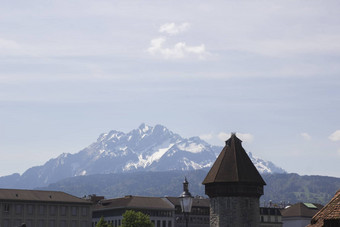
x: 136, y: 219
x: 103, y: 223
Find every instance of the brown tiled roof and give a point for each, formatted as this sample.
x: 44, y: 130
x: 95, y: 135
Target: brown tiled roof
x: 36, y: 195
x: 197, y: 202
x: 328, y: 212
x: 233, y: 166
x: 300, y: 210
x: 136, y: 202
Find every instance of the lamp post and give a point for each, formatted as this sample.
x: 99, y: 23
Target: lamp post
x: 186, y: 201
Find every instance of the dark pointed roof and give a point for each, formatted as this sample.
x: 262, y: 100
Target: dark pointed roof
x: 233, y: 166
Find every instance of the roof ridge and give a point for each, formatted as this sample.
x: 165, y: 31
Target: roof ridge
x: 236, y: 157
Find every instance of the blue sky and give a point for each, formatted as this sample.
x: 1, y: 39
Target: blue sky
x: 71, y: 70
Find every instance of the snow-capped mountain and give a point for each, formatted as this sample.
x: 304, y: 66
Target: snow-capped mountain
x: 145, y: 148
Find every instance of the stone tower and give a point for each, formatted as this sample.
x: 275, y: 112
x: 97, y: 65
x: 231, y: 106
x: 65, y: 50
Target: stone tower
x: 234, y: 187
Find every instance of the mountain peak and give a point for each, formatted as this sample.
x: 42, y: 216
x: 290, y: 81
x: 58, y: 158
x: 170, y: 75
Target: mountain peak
x: 144, y: 128
x: 151, y: 148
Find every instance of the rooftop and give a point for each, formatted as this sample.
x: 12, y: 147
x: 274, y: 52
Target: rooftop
x: 36, y: 195
x: 307, y: 210
x: 233, y: 166
x: 331, y: 211
x: 197, y: 202
x: 135, y: 202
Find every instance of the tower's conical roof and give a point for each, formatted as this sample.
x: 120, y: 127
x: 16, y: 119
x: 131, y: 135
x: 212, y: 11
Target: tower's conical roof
x: 233, y: 166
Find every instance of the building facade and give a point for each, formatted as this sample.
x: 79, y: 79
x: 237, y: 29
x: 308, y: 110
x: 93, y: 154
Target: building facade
x: 199, y: 215
x: 299, y: 214
x: 160, y: 210
x: 43, y: 209
x: 270, y: 217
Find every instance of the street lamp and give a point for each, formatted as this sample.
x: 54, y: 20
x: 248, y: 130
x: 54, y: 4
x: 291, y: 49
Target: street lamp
x: 186, y: 201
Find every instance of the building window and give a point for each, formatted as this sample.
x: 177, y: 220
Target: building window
x: 158, y: 223
x: 42, y: 210
x: 41, y: 223
x: 169, y: 224
x: 164, y: 224
x: 63, y: 223
x: 30, y: 209
x: 29, y: 223
x: 63, y: 210
x: 84, y: 211
x: 52, y: 210
x: 74, y: 211
x: 17, y: 222
x: 84, y: 224
x: 6, y: 207
x: 74, y: 223
x: 5, y: 223
x: 51, y: 223
x: 18, y: 209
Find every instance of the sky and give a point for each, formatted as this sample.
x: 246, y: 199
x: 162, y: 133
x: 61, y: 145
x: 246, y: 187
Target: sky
x: 269, y: 70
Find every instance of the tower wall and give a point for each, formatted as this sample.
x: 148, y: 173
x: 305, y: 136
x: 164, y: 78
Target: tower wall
x: 234, y: 211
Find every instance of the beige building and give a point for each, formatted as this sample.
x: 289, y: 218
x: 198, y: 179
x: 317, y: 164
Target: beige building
x: 270, y: 217
x: 43, y: 209
x: 199, y: 215
x: 160, y: 210
x: 299, y: 214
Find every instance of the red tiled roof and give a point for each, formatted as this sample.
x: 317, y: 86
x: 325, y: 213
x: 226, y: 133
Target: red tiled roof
x: 329, y: 212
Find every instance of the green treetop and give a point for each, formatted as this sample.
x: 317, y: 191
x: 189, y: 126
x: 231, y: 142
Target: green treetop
x: 136, y: 219
x: 103, y: 223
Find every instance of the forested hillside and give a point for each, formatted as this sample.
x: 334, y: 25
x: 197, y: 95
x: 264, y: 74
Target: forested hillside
x: 280, y: 187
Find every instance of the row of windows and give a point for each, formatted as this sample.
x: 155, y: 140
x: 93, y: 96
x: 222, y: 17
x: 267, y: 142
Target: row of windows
x: 44, y: 223
x: 159, y: 223
x: 52, y: 210
x: 269, y: 210
x: 195, y: 220
x: 194, y: 210
x: 270, y: 218
x: 156, y: 223
x: 114, y: 223
x: 158, y: 213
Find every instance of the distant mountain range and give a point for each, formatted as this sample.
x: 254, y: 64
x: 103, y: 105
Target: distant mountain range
x: 281, y: 187
x: 143, y: 149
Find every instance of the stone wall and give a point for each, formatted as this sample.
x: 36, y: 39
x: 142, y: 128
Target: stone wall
x: 234, y: 211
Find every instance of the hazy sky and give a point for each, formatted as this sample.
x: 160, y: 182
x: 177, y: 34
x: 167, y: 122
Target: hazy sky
x: 71, y: 70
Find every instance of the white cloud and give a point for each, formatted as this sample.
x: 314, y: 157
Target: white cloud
x: 339, y: 152
x: 306, y: 136
x: 8, y: 44
x: 206, y: 136
x: 335, y: 136
x: 178, y: 51
x: 223, y: 136
x: 173, y: 29
x: 245, y: 137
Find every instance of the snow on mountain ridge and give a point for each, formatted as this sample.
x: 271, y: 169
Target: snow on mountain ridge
x: 145, y: 148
